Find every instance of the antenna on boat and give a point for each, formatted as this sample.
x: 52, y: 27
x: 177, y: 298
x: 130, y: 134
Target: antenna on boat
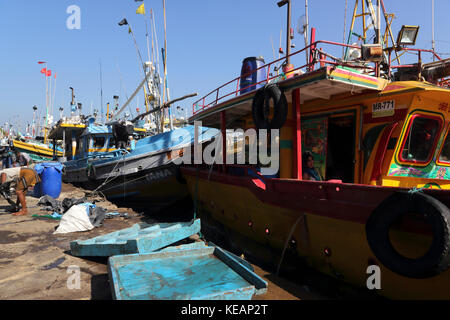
x: 273, y: 48
x: 302, y: 28
x: 73, y: 97
x: 288, y: 35
x: 432, y: 28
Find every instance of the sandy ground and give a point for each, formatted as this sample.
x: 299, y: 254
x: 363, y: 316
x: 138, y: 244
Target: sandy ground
x: 34, y: 263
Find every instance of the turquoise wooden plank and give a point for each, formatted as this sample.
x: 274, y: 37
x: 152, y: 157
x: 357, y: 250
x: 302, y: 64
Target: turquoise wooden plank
x: 239, y: 259
x: 140, y: 238
x: 183, y: 273
x: 199, y: 245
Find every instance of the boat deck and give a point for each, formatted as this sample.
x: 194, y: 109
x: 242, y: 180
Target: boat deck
x: 324, y: 84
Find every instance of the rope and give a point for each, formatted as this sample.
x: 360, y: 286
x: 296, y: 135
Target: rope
x: 108, y: 181
x: 196, y: 199
x: 287, y: 243
x: 415, y: 190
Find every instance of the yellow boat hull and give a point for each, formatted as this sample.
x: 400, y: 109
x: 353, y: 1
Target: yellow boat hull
x: 262, y: 229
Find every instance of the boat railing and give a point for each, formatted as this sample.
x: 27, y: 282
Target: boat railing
x: 315, y: 56
x: 102, y: 155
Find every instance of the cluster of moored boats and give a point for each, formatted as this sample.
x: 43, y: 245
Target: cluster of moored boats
x: 377, y: 133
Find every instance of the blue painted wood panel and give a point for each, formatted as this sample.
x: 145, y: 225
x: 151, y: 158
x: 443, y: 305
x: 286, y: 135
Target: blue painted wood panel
x: 183, y: 273
x: 140, y: 238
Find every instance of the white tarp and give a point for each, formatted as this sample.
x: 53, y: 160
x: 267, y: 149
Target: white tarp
x: 74, y: 220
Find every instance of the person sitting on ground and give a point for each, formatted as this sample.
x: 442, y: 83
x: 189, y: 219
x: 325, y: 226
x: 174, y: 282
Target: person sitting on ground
x: 309, y: 172
x: 24, y: 178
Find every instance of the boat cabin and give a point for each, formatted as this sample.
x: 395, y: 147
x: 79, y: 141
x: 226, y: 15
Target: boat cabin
x: 83, y: 140
x: 360, y: 126
x: 95, y: 139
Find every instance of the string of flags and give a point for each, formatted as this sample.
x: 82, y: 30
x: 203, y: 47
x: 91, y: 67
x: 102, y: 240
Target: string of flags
x: 139, y: 10
x: 45, y: 71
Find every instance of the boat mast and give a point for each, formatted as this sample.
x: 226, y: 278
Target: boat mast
x: 288, y: 33
x: 306, y: 28
x: 432, y: 28
x: 101, y: 93
x: 34, y: 122
x: 165, y: 88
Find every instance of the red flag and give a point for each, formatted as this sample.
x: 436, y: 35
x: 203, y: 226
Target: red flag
x: 41, y: 62
x: 44, y: 71
x: 49, y: 73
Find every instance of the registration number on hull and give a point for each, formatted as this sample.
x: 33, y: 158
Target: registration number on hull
x: 383, y: 109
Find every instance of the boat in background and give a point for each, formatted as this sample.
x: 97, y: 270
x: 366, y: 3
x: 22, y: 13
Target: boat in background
x: 142, y: 172
x: 38, y: 151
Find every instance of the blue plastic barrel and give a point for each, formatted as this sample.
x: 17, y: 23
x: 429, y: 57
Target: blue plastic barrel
x: 51, y: 179
x: 249, y: 76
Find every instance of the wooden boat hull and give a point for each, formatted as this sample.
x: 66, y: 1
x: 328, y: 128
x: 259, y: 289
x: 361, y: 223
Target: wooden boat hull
x: 152, y: 189
x: 37, y: 152
x: 146, y: 177
x: 327, y: 222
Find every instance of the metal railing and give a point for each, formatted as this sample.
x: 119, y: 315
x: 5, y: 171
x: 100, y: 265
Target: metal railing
x: 316, y: 56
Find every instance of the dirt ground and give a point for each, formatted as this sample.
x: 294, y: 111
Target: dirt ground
x: 34, y: 263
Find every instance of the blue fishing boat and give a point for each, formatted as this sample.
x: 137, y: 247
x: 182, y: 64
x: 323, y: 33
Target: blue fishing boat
x: 139, y: 172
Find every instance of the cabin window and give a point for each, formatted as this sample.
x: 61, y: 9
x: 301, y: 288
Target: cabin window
x: 420, y: 139
x: 99, y: 142
x: 445, y: 152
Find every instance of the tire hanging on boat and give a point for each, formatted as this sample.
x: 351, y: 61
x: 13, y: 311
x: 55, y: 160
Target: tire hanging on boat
x: 436, y: 260
x: 261, y: 107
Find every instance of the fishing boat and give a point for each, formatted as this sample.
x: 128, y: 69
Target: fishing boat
x: 143, y: 175
x: 125, y: 162
x: 378, y: 133
x: 37, y: 150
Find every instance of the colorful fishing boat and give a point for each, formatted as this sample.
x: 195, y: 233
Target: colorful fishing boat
x: 38, y: 151
x: 378, y: 134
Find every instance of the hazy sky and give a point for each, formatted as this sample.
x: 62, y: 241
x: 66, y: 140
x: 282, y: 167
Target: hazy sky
x: 206, y: 43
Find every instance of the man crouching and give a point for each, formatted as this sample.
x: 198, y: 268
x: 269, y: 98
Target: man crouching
x: 25, y: 178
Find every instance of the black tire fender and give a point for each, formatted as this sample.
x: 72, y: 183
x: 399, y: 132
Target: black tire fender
x: 261, y: 109
x: 436, y: 260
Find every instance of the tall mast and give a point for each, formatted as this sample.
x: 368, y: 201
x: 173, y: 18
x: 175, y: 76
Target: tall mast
x: 306, y: 28
x: 101, y: 92
x: 432, y: 28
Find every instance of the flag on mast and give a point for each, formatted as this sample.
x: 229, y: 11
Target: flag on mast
x: 141, y: 9
x: 41, y: 62
x: 123, y: 22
